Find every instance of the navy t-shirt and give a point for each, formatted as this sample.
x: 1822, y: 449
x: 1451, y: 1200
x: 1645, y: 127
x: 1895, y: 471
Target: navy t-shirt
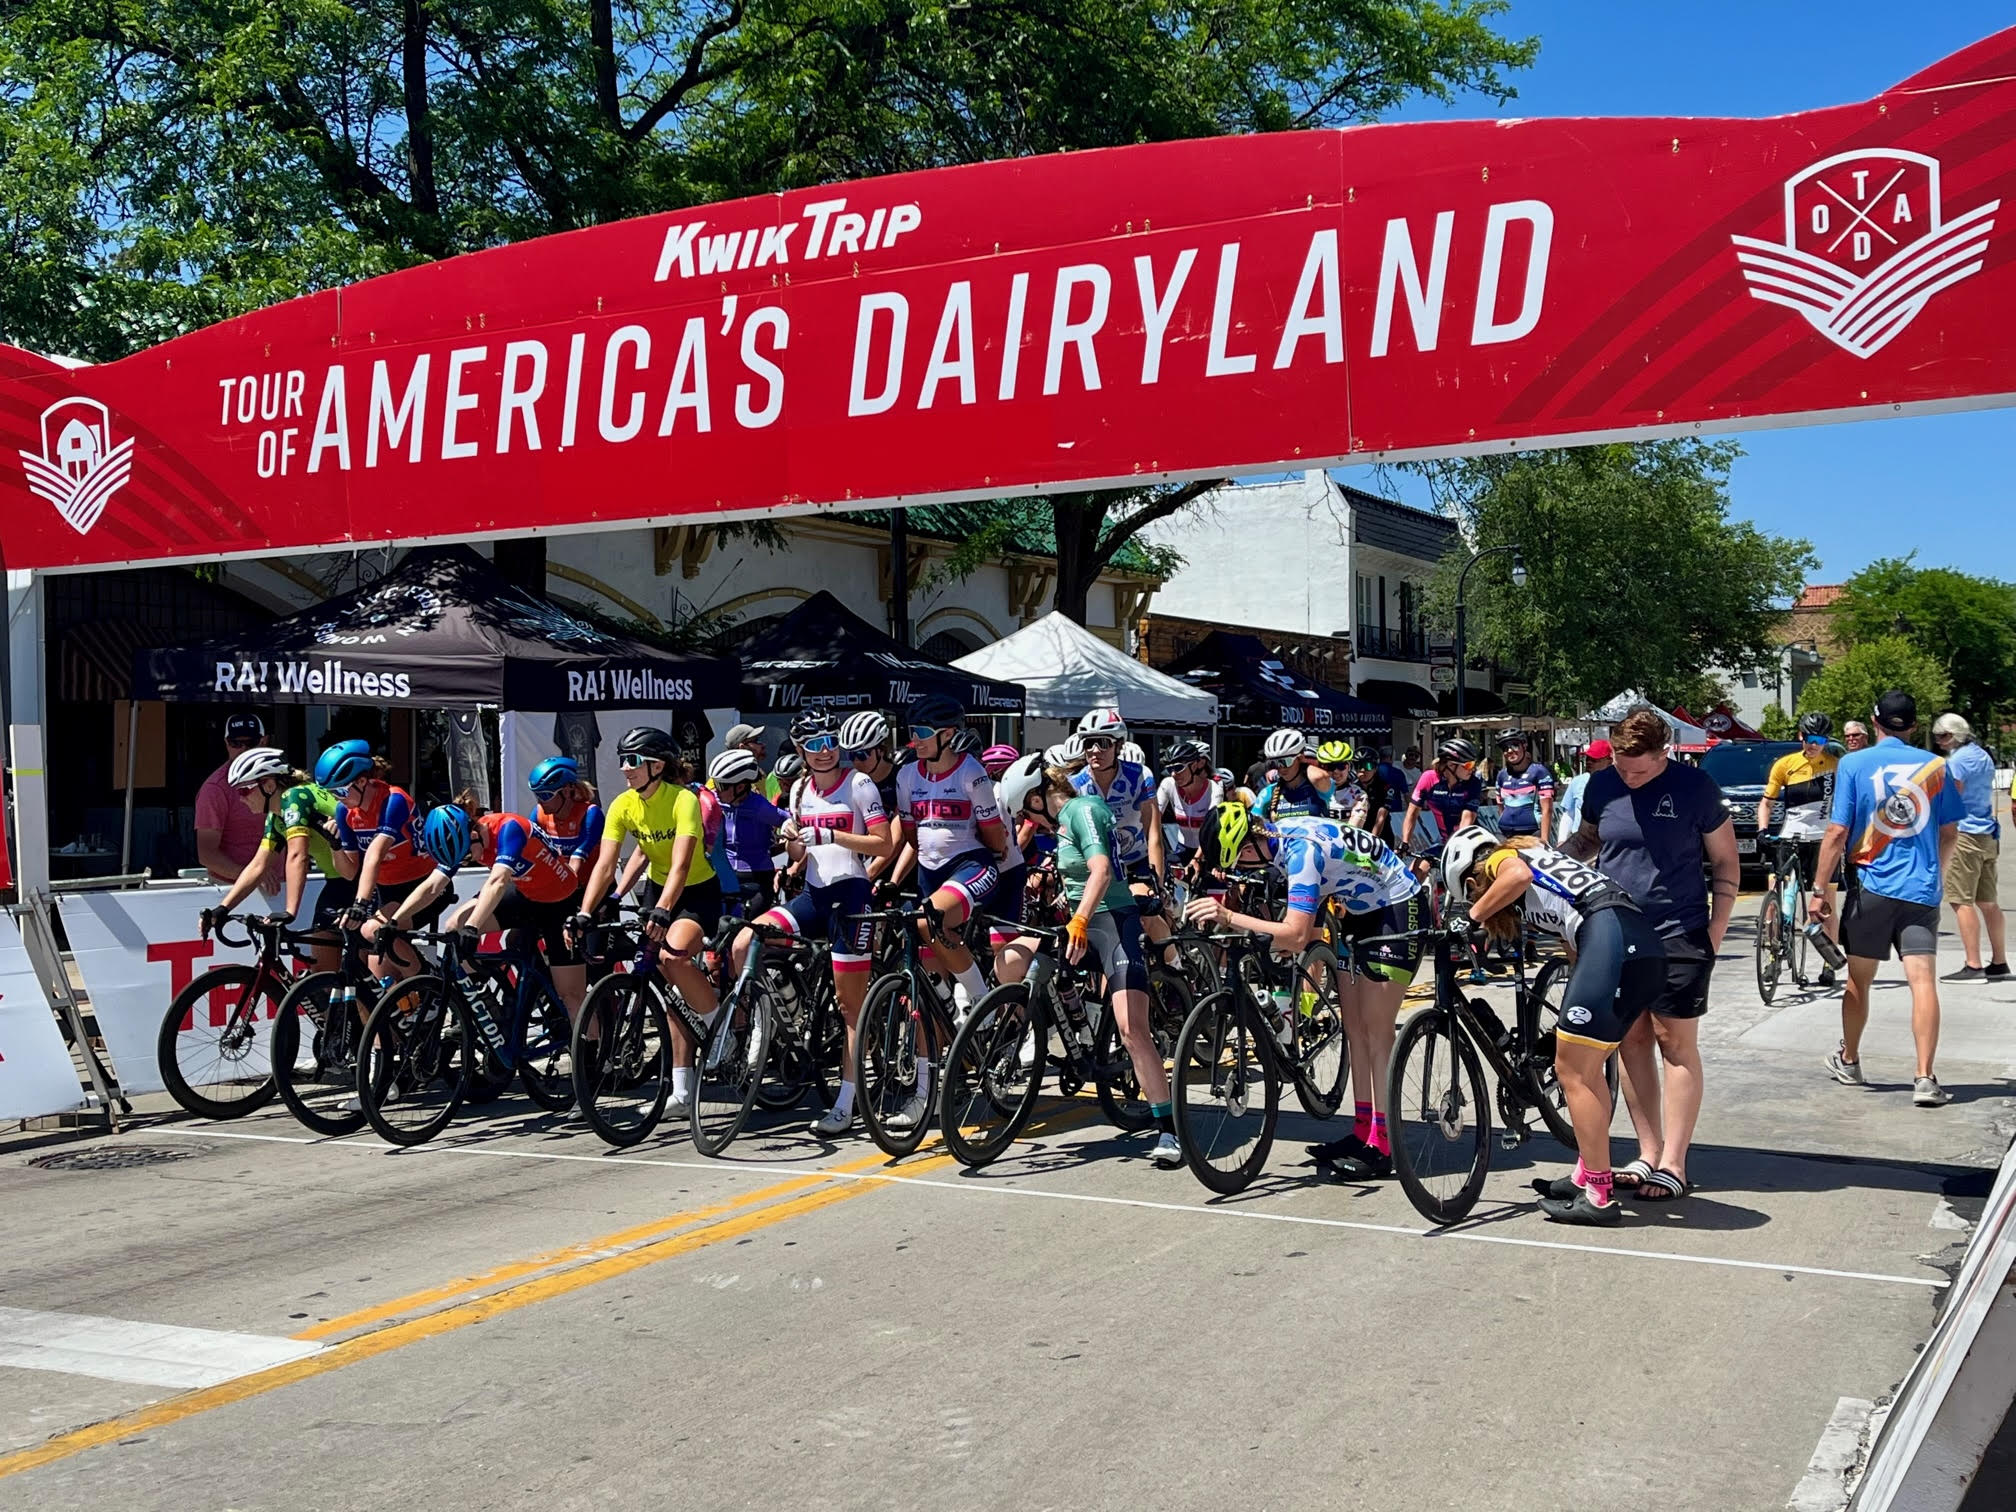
x: 1652, y: 840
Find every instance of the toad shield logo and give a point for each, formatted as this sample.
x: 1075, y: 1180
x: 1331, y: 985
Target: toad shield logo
x: 1866, y: 246
x: 79, y: 469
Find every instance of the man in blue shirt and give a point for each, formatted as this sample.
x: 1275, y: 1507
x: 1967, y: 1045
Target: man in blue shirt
x: 1896, y: 815
x: 1525, y: 788
x: 1970, y: 874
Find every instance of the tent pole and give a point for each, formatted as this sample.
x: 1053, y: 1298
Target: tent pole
x: 899, y: 576
x: 132, y: 767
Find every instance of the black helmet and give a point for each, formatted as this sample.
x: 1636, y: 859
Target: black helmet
x: 967, y: 742
x: 1456, y: 749
x: 649, y: 742
x: 1512, y: 735
x: 813, y: 723
x: 1184, y: 752
x: 1815, y: 726
x: 935, y: 711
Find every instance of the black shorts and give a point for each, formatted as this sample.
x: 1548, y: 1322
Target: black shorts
x: 337, y: 894
x: 1619, y: 974
x: 1114, y: 941
x: 392, y: 894
x: 759, y: 890
x: 546, y: 921
x: 1809, y: 861
x: 1389, y: 960
x: 1690, y: 961
x: 700, y: 902
x: 1873, y: 925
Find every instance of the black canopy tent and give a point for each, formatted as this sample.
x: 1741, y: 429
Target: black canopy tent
x: 823, y: 655
x: 1256, y: 691
x: 1406, y: 699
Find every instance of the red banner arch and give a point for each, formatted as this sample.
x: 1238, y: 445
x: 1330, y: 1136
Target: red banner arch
x: 1155, y: 312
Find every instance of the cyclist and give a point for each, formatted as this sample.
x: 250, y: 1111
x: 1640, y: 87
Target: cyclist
x: 996, y: 759
x: 1379, y: 795
x: 1185, y: 798
x: 836, y: 826
x: 864, y: 741
x: 1347, y: 799
x: 568, y: 818
x: 1805, y: 779
x: 530, y: 886
x: 750, y: 823
x: 1378, y: 895
x: 663, y: 816
x: 1619, y: 973
x: 377, y: 824
x: 1525, y: 787
x: 1446, y: 798
x: 1105, y: 918
x: 1300, y: 786
x: 299, y: 819
x: 1129, y: 791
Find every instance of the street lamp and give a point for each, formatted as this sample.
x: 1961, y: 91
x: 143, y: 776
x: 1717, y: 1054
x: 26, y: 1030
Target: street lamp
x: 1462, y: 623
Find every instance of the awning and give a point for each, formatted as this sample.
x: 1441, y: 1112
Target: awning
x: 1067, y: 670
x: 1406, y: 700
x: 1255, y: 690
x: 1476, y: 701
x: 823, y: 655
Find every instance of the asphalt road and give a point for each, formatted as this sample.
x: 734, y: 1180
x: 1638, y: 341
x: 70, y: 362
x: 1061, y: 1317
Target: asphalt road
x: 513, y: 1318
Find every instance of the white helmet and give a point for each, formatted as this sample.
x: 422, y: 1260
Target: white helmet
x: 1283, y: 744
x: 1065, y: 752
x: 1464, y: 850
x: 1022, y: 778
x: 734, y: 765
x: 260, y: 762
x: 863, y: 731
x: 1132, y: 752
x: 1103, y: 722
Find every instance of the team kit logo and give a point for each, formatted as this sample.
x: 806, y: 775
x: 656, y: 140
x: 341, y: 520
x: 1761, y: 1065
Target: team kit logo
x: 1866, y: 247
x: 79, y: 467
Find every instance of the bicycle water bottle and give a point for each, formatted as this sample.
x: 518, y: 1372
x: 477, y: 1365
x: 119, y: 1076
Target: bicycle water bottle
x: 1829, y: 951
x: 1284, y: 1015
x: 1072, y: 1001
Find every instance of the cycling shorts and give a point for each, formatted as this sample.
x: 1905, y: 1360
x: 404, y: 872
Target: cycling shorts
x: 546, y: 921
x: 1873, y: 925
x: 392, y: 894
x: 700, y: 902
x: 1114, y: 940
x: 829, y: 911
x: 1619, y: 974
x: 1005, y: 907
x: 1141, y: 874
x: 973, y: 876
x: 1389, y: 960
x: 337, y: 894
x: 759, y: 891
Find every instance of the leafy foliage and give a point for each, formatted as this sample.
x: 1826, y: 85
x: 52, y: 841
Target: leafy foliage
x: 1847, y: 688
x: 1965, y: 624
x: 1777, y: 724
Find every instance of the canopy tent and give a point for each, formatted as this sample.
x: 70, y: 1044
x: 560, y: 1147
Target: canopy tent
x: 1065, y: 670
x: 822, y: 654
x: 443, y: 630
x: 1401, y: 699
x: 1256, y: 691
x: 1687, y: 736
x: 1721, y: 723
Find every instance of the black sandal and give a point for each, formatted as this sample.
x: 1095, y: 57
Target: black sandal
x: 1582, y: 1211
x: 1631, y: 1175
x: 1663, y: 1186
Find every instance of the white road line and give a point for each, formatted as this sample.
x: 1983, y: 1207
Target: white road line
x: 971, y: 1189
x: 144, y: 1354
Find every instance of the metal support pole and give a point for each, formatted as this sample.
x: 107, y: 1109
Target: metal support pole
x: 132, y: 770
x: 1462, y: 652
x: 899, y: 576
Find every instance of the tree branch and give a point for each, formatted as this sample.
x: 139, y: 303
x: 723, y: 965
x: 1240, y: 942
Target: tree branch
x: 691, y: 77
x: 602, y: 40
x: 1122, y: 530
x: 419, y: 128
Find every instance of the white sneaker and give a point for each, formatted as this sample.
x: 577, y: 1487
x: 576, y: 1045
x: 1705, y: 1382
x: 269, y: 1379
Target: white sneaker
x: 907, y: 1117
x: 833, y: 1123
x: 679, y: 1107
x: 1927, y: 1093
x: 385, y: 1100
x: 1167, y: 1152
x: 1026, y: 1056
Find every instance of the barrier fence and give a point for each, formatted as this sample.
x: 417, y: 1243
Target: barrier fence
x: 37, y: 1077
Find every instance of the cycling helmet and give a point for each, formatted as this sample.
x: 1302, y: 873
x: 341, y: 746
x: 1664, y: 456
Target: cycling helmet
x: 551, y: 775
x: 1063, y: 753
x: 1184, y: 752
x: 1234, y: 826
x: 342, y: 764
x: 1103, y: 722
x: 1224, y: 775
x: 649, y: 742
x: 789, y: 766
x: 1132, y: 752
x: 967, y: 742
x: 1456, y: 749
x: 1512, y: 735
x: 863, y: 731
x: 935, y: 711
x: 445, y: 835
x: 999, y: 755
x: 1334, y: 752
x: 1815, y: 727
x: 1023, y: 777
x: 1464, y: 850
x: 734, y: 765
x: 254, y: 765
x: 811, y: 725
x: 1282, y: 745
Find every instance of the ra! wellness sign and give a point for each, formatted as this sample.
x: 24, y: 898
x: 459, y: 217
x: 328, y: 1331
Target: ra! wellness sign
x: 1143, y: 313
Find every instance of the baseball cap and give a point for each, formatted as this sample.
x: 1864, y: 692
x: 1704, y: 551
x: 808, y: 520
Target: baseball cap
x: 246, y: 727
x: 742, y: 733
x: 1599, y: 750
x: 1896, y: 710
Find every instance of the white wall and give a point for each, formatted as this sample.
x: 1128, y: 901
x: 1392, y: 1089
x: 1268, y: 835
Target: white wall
x: 1268, y: 555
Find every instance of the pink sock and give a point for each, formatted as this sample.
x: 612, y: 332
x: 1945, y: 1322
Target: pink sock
x: 1380, y: 1140
x: 1599, y: 1188
x: 1361, y: 1120
x: 1581, y: 1176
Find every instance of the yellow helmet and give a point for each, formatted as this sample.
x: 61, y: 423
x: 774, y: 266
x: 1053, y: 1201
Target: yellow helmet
x: 1234, y: 825
x: 1334, y: 752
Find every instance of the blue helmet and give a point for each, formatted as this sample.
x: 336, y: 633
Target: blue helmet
x: 551, y: 775
x: 342, y: 764
x: 445, y: 835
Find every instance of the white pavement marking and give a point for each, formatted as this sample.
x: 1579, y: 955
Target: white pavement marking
x: 1824, y: 1487
x: 970, y: 1189
x: 145, y: 1354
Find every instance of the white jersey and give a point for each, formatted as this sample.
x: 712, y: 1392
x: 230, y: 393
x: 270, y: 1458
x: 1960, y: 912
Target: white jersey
x: 1188, y: 815
x: 849, y: 806
x: 947, y: 811
x: 1132, y: 787
x: 1562, y: 891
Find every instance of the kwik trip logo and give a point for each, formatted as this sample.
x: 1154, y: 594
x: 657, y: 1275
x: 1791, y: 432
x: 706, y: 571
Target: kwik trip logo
x: 78, y: 469
x: 1866, y: 246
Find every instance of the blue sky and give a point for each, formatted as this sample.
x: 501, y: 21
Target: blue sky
x: 1939, y: 483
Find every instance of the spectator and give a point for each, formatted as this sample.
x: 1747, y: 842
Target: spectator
x: 1897, y: 816
x: 1855, y: 735
x: 1654, y: 825
x: 1970, y: 877
x: 227, y: 832
x: 749, y: 738
x: 1598, y: 755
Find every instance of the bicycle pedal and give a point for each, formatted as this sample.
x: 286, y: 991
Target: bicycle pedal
x: 1511, y: 1139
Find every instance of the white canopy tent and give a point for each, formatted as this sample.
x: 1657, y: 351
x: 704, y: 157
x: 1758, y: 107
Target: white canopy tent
x: 1068, y: 670
x: 1684, y: 734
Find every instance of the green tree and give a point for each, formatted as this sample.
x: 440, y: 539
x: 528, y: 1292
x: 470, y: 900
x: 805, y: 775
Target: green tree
x: 1966, y: 624
x: 1848, y: 687
x: 1636, y: 575
x: 1777, y: 724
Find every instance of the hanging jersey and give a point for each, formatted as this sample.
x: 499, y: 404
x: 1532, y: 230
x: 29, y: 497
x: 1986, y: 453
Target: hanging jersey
x: 1132, y: 787
x: 578, y: 835
x: 1563, y: 891
x: 1806, y: 787
x: 540, y: 873
x: 1188, y: 814
x: 947, y: 811
x: 390, y: 812
x: 849, y: 806
x: 1323, y: 859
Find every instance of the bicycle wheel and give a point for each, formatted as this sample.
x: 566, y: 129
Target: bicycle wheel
x: 885, y: 1070
x: 546, y: 1052
x: 790, y: 1071
x: 210, y: 1046
x: 1770, y: 955
x: 412, y: 1065
x: 1544, y: 1084
x: 1227, y: 1094
x: 1321, y: 1062
x: 1169, y: 1003
x: 1440, y: 1121
x: 622, y: 1060
x: 1114, y: 1076
x: 992, y: 1075
x: 315, y: 1055
x: 729, y: 1069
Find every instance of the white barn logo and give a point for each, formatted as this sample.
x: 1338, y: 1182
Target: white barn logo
x: 1866, y: 246
x: 79, y: 469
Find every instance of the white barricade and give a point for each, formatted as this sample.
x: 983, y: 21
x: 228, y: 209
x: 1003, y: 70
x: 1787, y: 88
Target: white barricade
x: 36, y: 1074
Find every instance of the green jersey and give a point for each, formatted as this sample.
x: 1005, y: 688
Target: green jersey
x: 303, y: 811
x: 1085, y: 830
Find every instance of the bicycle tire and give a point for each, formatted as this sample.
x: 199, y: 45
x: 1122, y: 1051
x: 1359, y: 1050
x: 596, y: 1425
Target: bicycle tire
x: 728, y: 1069
x: 791, y: 1072
x: 236, y: 1041
x: 1427, y: 1121
x: 415, y: 1057
x: 989, y: 1092
x: 1769, y: 962
x: 1169, y: 1003
x: 1219, y: 1059
x: 885, y: 1064
x: 546, y: 1038
x: 1115, y: 1079
x: 1321, y: 1064
x: 622, y: 1095
x: 313, y: 1093
x: 1544, y: 1083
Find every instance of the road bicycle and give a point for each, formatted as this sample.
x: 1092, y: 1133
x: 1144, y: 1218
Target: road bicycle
x: 905, y: 1018
x: 316, y: 1037
x: 1781, y: 945
x: 212, y: 1049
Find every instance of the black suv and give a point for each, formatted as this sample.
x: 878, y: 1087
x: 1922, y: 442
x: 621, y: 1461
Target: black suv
x: 1739, y: 768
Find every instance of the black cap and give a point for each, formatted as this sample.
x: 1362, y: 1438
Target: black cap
x: 245, y: 726
x: 1896, y: 710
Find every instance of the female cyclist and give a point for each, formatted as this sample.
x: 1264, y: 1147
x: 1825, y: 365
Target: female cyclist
x: 1185, y: 798
x: 1445, y: 799
x: 996, y: 759
x: 377, y: 825
x: 1104, y: 918
x: 300, y: 818
x: 1128, y: 789
x: 750, y: 823
x: 1347, y: 799
x: 1620, y: 972
x: 1301, y: 785
x: 568, y: 819
x: 864, y: 745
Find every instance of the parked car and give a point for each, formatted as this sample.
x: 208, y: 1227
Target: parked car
x: 1739, y: 768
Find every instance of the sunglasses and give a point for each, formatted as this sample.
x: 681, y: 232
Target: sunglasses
x: 1098, y: 743
x: 1339, y: 766
x: 815, y: 743
x: 630, y: 762
x: 922, y: 732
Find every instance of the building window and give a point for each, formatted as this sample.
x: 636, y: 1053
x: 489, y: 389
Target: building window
x: 1749, y: 679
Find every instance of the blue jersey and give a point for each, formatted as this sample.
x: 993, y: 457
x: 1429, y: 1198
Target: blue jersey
x: 1279, y: 801
x: 1519, y: 796
x: 1324, y: 859
x: 1133, y: 785
x: 1893, y: 798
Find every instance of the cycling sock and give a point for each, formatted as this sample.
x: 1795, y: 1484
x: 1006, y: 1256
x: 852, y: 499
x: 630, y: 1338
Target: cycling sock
x: 1163, y: 1122
x: 682, y: 1083
x: 1361, y: 1121
x: 1380, y: 1140
x: 1581, y: 1176
x: 924, y: 1080
x: 974, y: 981
x: 844, y: 1103
x: 1598, y: 1186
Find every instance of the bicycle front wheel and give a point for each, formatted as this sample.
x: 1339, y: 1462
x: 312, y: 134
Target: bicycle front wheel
x: 1227, y: 1094
x: 211, y: 1047
x: 1769, y: 947
x: 992, y: 1075
x: 1440, y: 1121
x: 622, y: 1060
x: 730, y: 1069
x: 1322, y: 1056
x: 545, y: 1055
x: 891, y: 1042
x: 412, y: 1066
x: 315, y: 1040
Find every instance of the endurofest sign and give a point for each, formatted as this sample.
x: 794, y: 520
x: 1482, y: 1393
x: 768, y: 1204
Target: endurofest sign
x: 1114, y: 317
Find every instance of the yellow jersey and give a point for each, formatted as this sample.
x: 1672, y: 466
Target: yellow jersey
x: 656, y: 822
x: 1807, y: 786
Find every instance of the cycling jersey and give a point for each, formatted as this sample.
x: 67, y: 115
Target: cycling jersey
x: 539, y: 872
x: 1086, y: 828
x: 1519, y: 795
x: 1442, y: 802
x: 1132, y: 786
x: 1562, y: 891
x: 1278, y: 800
x: 390, y: 812
x: 670, y: 812
x: 1324, y: 859
x: 947, y: 811
x: 303, y: 811
x: 1188, y: 814
x: 849, y: 806
x: 1807, y: 784
x: 580, y: 835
